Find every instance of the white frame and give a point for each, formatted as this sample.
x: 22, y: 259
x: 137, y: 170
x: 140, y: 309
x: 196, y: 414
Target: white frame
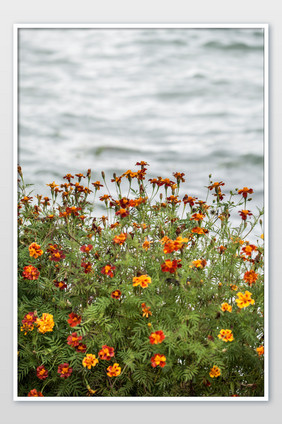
x: 265, y: 28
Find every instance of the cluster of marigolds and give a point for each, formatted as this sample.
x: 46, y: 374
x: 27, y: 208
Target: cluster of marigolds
x: 56, y: 253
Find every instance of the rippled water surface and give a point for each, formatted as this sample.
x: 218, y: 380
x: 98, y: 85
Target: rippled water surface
x: 187, y: 100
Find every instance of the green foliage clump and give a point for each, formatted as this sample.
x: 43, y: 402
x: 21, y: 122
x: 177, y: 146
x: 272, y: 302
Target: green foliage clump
x: 154, y: 282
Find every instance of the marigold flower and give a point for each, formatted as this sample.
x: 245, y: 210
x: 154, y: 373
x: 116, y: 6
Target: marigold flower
x: 87, y: 267
x: 244, y: 214
x: 28, y: 322
x: 216, y: 185
x: 244, y: 300
x: 30, y: 272
x: 226, y: 307
x: 108, y: 270
x: 45, y: 323
x: 146, y: 244
x: 74, y: 339
x: 197, y: 217
x: 157, y: 337
x: 189, y: 199
x: 179, y: 176
x: 114, y: 371
x: 142, y: 163
x: 116, y: 294
x: 35, y: 393
x: 260, y: 350
x: 142, y: 280
x: 158, y: 359
x: 250, y: 277
x: 146, y: 310
x: 86, y: 248
x: 106, y: 352
x: 249, y: 249
x: 221, y: 249
x: 26, y: 199
x: 81, y: 347
x: 41, y: 372
x: 244, y: 191
x: 226, y: 335
x: 233, y: 287
x: 74, y: 319
x: 57, y: 255
x: 120, y: 239
x: 68, y: 177
x: 199, y: 230
x: 64, y: 370
x: 60, y: 284
x: 171, y: 266
x: 199, y: 263
x: 35, y: 250
x: 214, y: 372
x: 97, y: 185
x: 122, y: 212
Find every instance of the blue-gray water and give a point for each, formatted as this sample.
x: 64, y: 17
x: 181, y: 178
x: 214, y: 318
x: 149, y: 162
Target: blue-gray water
x: 187, y: 100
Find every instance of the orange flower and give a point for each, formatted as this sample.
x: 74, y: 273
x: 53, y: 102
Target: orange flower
x: 179, y: 176
x: 158, y: 359
x: 120, y: 239
x: 74, y: 319
x: 244, y: 191
x: 60, y: 284
x: 108, y: 270
x: 250, y: 277
x: 90, y: 361
x: 114, y: 371
x: 81, y: 347
x: 226, y: 307
x: 146, y: 244
x: 189, y: 199
x: 226, y: 335
x: 106, y: 353
x: 35, y: 250
x: 221, y: 249
x: 41, y: 372
x: 157, y: 337
x: 57, y: 255
x: 233, y: 287
x: 64, y: 370
x: 199, y: 263
x: 28, y: 322
x: 260, y: 350
x: 244, y: 300
x: 35, y: 393
x: 197, y: 217
x: 171, y: 266
x: 216, y: 185
x: 74, y: 339
x: 97, y: 185
x: 122, y: 212
x: 199, y: 230
x: 142, y: 280
x: 244, y: 214
x: 45, y: 323
x: 116, y: 294
x: 146, y: 310
x: 249, y: 249
x: 214, y: 372
x: 30, y: 273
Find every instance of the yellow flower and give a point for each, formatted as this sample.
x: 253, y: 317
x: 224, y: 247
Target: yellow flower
x: 244, y: 300
x: 226, y: 307
x: 45, y: 323
x: 215, y: 372
x: 260, y: 350
x: 226, y: 335
x: 90, y: 361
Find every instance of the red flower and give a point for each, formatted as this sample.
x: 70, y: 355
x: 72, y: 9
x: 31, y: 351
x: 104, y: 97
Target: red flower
x: 157, y: 337
x: 244, y: 214
x: 158, y: 359
x: 106, y: 352
x: 57, y: 255
x: 35, y: 393
x: 120, y: 239
x: 116, y: 294
x: 122, y: 212
x: 108, y: 270
x: 244, y: 191
x: 250, y: 277
x: 86, y: 248
x: 74, y: 319
x: 64, y: 370
x: 189, y: 199
x: 81, y: 347
x: 74, y: 339
x: 249, y: 249
x: 30, y: 272
x: 41, y: 372
x: 87, y: 267
x: 171, y: 266
x: 60, y: 284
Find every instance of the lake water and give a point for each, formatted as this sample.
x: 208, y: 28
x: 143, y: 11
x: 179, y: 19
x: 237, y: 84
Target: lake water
x: 186, y: 100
